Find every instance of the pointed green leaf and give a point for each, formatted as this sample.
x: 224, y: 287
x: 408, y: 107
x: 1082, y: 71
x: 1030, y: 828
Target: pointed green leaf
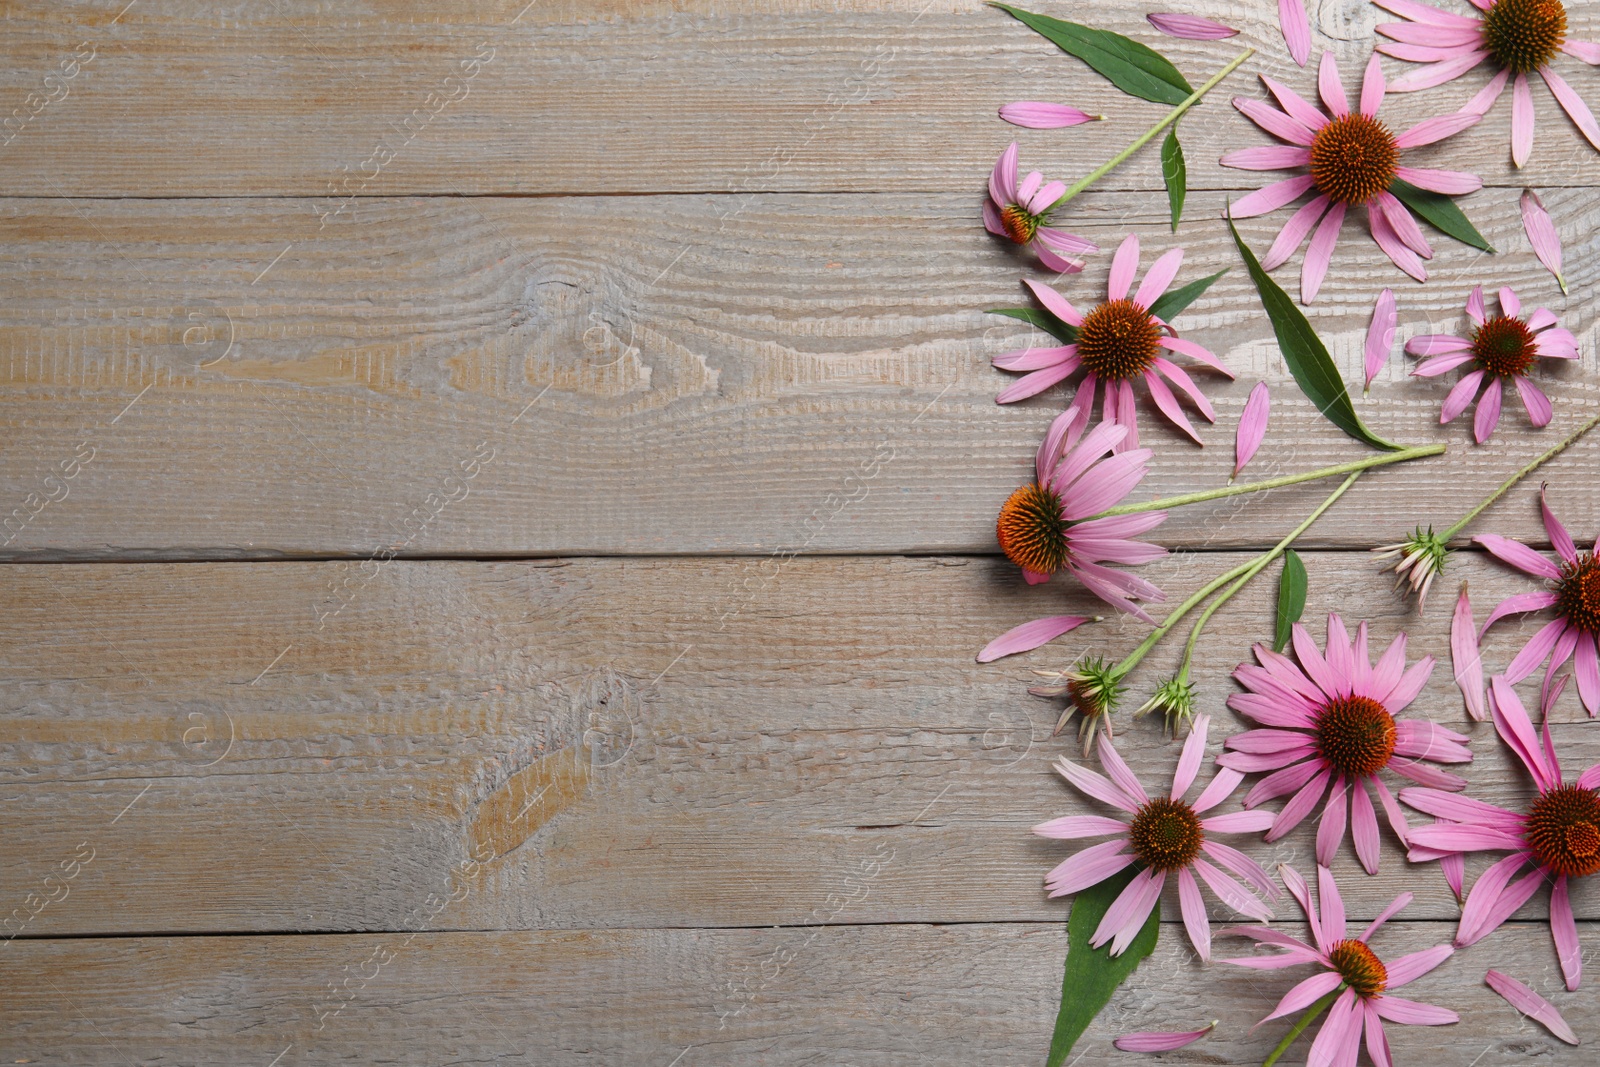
x: 1441, y: 212
x: 1291, y: 598
x: 1313, y: 369
x: 1169, y: 303
x: 1131, y: 67
x: 1065, y: 332
x: 1175, y: 174
x: 1091, y: 975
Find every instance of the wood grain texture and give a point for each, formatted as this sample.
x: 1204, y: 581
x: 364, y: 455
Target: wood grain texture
x: 638, y: 743
x: 389, y: 98
x: 962, y: 994
x: 661, y: 375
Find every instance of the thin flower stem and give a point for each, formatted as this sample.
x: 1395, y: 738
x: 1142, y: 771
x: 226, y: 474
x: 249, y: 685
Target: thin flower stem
x: 1551, y: 453
x: 1382, y: 460
x: 1299, y: 1028
x: 1172, y: 116
x: 1255, y: 568
x: 1132, y: 659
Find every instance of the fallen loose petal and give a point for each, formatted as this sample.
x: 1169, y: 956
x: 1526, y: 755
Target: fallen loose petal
x: 1190, y: 27
x: 1252, y: 426
x: 1029, y: 635
x: 1296, y: 26
x: 1163, y: 1040
x: 1542, y: 235
x: 1530, y: 1004
x: 1038, y: 115
x: 1380, y: 334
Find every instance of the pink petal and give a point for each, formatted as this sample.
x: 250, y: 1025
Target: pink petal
x: 1193, y: 909
x: 1435, y: 344
x: 1268, y: 157
x: 1516, y: 605
x: 1411, y: 1013
x: 1534, y: 652
x: 1331, y: 88
x: 1573, y: 105
x: 1304, y: 994
x: 1160, y: 1040
x: 1239, y: 822
x: 1410, y: 967
x: 1272, y: 197
x: 1399, y: 253
x: 1320, y: 253
x: 1094, y: 784
x: 1338, y: 1042
x: 1298, y: 807
x: 1391, y: 810
x: 1560, y: 539
x: 1231, y: 893
x: 1129, y: 911
x: 1043, y: 200
x: 1124, y: 265
x: 1220, y: 788
x: 1521, y: 120
x: 1062, y: 435
x: 1586, y: 665
x: 1486, y: 893
x: 1460, y: 395
x: 1512, y: 724
x: 1030, y: 186
x: 1404, y: 226
x: 1275, y: 122
x: 1464, y: 658
x: 1396, y: 905
x: 1487, y: 417
x: 1531, y: 1004
x: 1332, y: 906
x: 1515, y: 896
x: 1538, y: 405
x: 1158, y: 277
x: 1364, y: 827
x: 1295, y: 883
x: 1194, y: 751
x: 1029, y: 635
x: 1054, y: 303
x: 1082, y: 458
x: 1071, y: 827
x: 1184, y: 346
x: 1541, y: 230
x: 1089, y: 867
x: 1118, y: 771
x: 1025, y: 359
x: 1449, y: 182
x: 1252, y: 426
x: 1557, y: 344
x: 1062, y: 241
x: 1475, y: 308
x: 1036, y: 382
x: 1431, y: 16
x: 1049, y: 259
x: 1180, y: 377
x: 1377, y: 1040
x: 1110, y: 481
x: 1125, y: 414
x: 1438, y: 73
x: 1372, y: 90
x: 1330, y: 829
x: 1454, y: 867
x: 991, y: 220
x: 1295, y: 105
x: 1003, y: 179
x: 1190, y: 27
x: 1296, y: 26
x: 1584, y: 50
x: 1279, y: 783
x: 1519, y: 556
x: 1038, y: 115
x: 1463, y: 838
x: 1243, y: 866
x: 1565, y: 932
x: 1436, y: 129
x: 1380, y: 334
x: 1441, y: 365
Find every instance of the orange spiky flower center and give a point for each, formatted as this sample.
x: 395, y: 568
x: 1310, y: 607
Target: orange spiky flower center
x: 1523, y: 35
x: 1020, y: 225
x: 1578, y: 593
x: 1355, y: 735
x: 1360, y: 967
x: 1166, y: 834
x: 1032, y: 533
x: 1503, y: 346
x: 1118, y: 340
x: 1353, y: 159
x: 1563, y: 829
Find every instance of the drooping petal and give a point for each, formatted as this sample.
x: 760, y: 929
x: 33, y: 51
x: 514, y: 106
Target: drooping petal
x: 1380, y: 334
x: 1377, y: 1040
x: 1003, y: 179
x: 1438, y: 73
x: 1039, y: 115
x: 1233, y: 860
x: 1026, y: 359
x: 1184, y: 346
x: 1423, y: 13
x: 1402, y: 223
x: 1119, y: 772
x: 1295, y: 105
x: 1036, y: 382
x: 1030, y: 635
x: 1587, y: 51
x: 1560, y: 539
x: 1339, y: 1041
x: 1129, y: 911
x: 1232, y: 893
x: 1587, y: 668
x: 1531, y: 1004
x: 1299, y: 806
x: 1486, y: 893
x: 1160, y: 1040
x: 1180, y: 377
x: 1396, y: 905
x: 1296, y: 27
x: 1239, y: 822
x: 1295, y: 883
x: 1168, y: 405
x: 1438, y: 344
x: 1252, y: 426
x: 1514, y: 727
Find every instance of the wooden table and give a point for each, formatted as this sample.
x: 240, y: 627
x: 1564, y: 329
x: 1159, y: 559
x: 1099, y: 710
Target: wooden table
x: 501, y: 520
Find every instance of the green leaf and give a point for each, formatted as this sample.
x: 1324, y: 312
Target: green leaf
x: 1175, y: 174
x: 1169, y: 303
x: 1092, y: 975
x: 1304, y: 352
x: 1441, y: 212
x: 1131, y: 67
x: 1291, y: 598
x: 1065, y: 332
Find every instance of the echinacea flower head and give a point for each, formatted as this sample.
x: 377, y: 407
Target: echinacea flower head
x: 1572, y: 590
x: 1019, y: 209
x: 1164, y: 836
x: 1557, y: 836
x: 1330, y: 721
x: 1420, y: 560
x: 1117, y: 343
x: 1520, y: 37
x: 1174, y: 699
x: 1350, y: 964
x: 1046, y: 526
x: 1351, y: 159
x: 1092, y: 689
x: 1500, y: 350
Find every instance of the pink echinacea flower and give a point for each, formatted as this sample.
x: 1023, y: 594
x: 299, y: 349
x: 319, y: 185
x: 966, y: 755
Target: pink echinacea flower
x: 1019, y: 210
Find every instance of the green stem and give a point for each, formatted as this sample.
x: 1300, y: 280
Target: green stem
x: 1132, y: 659
x: 1381, y: 460
x: 1255, y: 568
x: 1299, y: 1028
x: 1551, y: 453
x: 1172, y: 116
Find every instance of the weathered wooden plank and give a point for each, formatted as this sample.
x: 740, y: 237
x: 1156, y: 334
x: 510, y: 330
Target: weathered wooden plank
x: 970, y: 993
x: 398, y: 98
x: 621, y: 743
x: 816, y: 368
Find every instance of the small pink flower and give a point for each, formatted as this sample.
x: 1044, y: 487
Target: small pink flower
x: 1574, y: 593
x: 1036, y: 115
x: 1020, y: 211
x: 1558, y: 836
x: 1542, y: 235
x: 1330, y: 720
x: 1517, y: 36
x: 1190, y: 27
x: 1501, y: 349
x: 1380, y: 334
x: 1252, y: 426
x: 1367, y: 1001
x: 1161, y: 1040
x: 1296, y: 26
x: 1165, y: 836
x: 1531, y: 1004
x: 1118, y: 341
x: 1352, y: 159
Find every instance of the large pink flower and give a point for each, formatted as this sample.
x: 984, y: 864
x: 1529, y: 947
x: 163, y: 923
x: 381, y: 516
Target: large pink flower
x: 1117, y: 342
x: 1574, y: 593
x: 1020, y: 211
x: 1165, y: 836
x: 1501, y: 349
x: 1352, y: 160
x: 1518, y: 36
x: 1349, y: 963
x: 1558, y: 836
x: 1331, y: 720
